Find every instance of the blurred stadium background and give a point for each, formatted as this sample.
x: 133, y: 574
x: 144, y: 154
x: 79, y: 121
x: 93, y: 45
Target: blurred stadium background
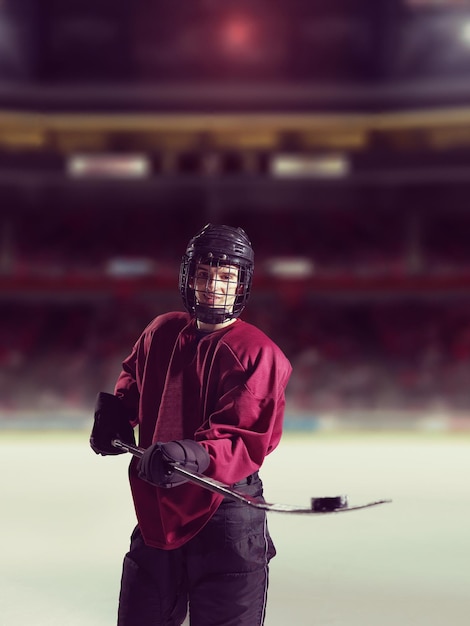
x: 337, y: 133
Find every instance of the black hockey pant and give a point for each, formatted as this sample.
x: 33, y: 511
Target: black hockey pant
x: 222, y: 572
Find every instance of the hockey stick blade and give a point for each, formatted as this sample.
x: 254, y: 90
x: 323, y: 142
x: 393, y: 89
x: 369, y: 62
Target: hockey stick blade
x: 232, y: 494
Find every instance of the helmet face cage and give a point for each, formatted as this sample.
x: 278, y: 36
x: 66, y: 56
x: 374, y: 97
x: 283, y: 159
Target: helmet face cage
x: 216, y: 274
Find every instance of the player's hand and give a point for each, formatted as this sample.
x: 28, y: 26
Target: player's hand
x: 111, y: 422
x: 156, y: 464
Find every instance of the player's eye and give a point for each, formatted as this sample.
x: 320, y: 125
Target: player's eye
x: 227, y: 278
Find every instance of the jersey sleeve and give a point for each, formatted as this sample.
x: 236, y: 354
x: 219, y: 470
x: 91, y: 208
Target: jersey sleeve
x: 126, y: 388
x: 140, y: 382
x: 245, y: 424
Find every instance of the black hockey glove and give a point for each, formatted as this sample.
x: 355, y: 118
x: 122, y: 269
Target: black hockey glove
x: 155, y: 466
x: 111, y: 422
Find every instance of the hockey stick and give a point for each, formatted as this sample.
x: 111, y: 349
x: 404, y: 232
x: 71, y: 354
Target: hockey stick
x: 319, y: 506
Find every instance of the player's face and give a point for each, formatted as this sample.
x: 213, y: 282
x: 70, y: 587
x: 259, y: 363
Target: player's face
x: 216, y: 286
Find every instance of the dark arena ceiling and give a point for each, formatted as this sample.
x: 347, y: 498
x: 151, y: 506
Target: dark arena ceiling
x: 237, y: 55
x: 362, y: 92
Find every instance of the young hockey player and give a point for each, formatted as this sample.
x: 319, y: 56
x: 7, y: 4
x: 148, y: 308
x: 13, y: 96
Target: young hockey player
x: 206, y: 390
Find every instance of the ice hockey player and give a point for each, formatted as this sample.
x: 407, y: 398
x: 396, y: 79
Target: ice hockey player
x: 207, y: 390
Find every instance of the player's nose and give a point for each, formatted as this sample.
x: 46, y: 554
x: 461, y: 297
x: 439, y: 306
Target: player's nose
x: 211, y: 283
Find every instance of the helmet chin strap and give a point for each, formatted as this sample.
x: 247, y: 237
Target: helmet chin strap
x: 212, y: 315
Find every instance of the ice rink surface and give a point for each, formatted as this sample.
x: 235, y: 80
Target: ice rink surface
x: 67, y: 515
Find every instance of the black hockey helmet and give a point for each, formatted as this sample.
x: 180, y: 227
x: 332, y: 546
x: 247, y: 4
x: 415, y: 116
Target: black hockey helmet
x: 217, y: 246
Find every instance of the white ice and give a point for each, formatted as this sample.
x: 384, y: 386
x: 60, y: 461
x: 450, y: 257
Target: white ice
x: 67, y: 515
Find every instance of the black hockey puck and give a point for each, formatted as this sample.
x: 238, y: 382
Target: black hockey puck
x: 329, y: 504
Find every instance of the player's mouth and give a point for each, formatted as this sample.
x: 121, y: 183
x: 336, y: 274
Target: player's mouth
x: 210, y: 299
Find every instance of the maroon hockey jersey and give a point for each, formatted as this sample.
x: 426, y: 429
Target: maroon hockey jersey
x: 224, y: 389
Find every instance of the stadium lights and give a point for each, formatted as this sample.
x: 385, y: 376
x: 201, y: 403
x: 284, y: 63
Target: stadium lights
x: 116, y: 166
x: 310, y: 166
x: 122, y: 267
x: 289, y: 267
x: 238, y: 33
x: 433, y: 4
x: 242, y: 39
x: 465, y: 32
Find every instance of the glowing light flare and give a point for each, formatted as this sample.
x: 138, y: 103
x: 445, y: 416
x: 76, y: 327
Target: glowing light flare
x: 250, y: 39
x: 239, y: 32
x: 239, y: 35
